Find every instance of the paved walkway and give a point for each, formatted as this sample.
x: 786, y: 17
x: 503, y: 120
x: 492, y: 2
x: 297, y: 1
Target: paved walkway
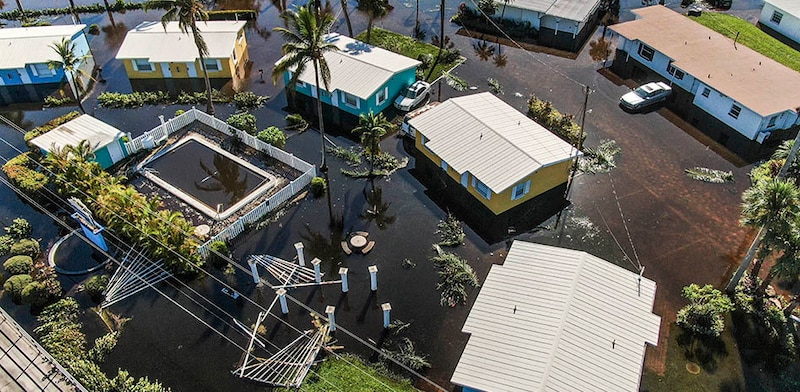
x: 26, y: 366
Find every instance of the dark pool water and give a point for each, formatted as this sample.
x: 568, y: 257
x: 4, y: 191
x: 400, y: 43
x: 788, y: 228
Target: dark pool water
x: 206, y: 175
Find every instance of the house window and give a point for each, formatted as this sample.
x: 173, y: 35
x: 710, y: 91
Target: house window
x: 351, y: 100
x: 521, y: 190
x: 706, y: 91
x: 678, y: 74
x: 235, y: 59
x: 423, y: 141
x: 772, y: 121
x: 481, y: 188
x: 776, y: 17
x: 382, y: 95
x: 212, y: 65
x: 142, y: 65
x: 735, y: 110
x: 43, y: 70
x: 646, y: 52
x: 444, y: 165
x: 241, y: 36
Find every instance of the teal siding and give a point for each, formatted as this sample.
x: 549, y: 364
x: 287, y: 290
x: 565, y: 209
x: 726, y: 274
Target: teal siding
x: 102, y: 157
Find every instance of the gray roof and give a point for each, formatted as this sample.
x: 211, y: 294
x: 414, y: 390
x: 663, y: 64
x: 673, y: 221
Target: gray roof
x: 485, y: 136
x: 31, y: 45
x: 151, y: 41
x: 577, y: 10
x: 791, y: 7
x: 85, y: 127
x: 554, y: 319
x: 359, y: 68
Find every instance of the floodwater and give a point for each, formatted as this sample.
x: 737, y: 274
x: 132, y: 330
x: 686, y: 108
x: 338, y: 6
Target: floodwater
x: 680, y: 230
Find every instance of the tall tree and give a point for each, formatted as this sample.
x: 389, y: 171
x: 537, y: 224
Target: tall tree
x: 372, y: 128
x: 304, y: 43
x: 503, y: 11
x: 347, y: 18
x: 74, y: 13
x: 375, y: 9
x: 71, y: 63
x: 187, y: 13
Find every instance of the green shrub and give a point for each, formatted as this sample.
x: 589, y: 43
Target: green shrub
x: 14, y: 285
x: 20, y: 171
x: 318, y: 186
x: 18, y: 265
x: 28, y: 247
x: 51, y: 101
x: 135, y: 99
x: 218, y: 254
x: 179, y: 112
x: 94, y: 29
x: 96, y: 285
x: 249, y: 100
x: 50, y: 125
x: 243, y: 121
x: 19, y: 229
x: 5, y: 244
x: 36, y: 294
x: 563, y: 125
x: 273, y: 136
x: 296, y: 122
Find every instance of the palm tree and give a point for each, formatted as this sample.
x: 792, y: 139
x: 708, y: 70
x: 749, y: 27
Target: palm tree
x: 347, y: 18
x: 71, y: 64
x: 187, y: 13
x: 503, y: 12
x: 787, y: 265
x: 375, y: 9
x: 304, y: 43
x: 372, y: 127
x: 74, y: 13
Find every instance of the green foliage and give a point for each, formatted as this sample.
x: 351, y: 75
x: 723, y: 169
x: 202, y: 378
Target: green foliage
x: 406, y: 354
x: 21, y: 171
x: 15, y: 284
x: 243, y: 121
x: 103, y: 346
x: 94, y: 29
x: 36, y: 294
x: 47, y: 127
x: 18, y: 265
x: 409, y: 47
x: 704, y: 315
x: 494, y: 86
x: 351, y: 156
x: 563, y: 125
x: 140, y: 98
x: 766, y: 171
x: 19, y: 229
x: 709, y: 175
x: 95, y: 286
x: 347, y: 372
x: 51, y: 101
x: 247, y: 100
x: 318, y: 186
x: 28, y: 247
x: 451, y: 231
x: 455, y: 277
x: 179, y: 112
x: 218, y: 254
x: 295, y: 122
x: 600, y: 159
x: 96, y: 8
x: 273, y: 136
x: 5, y: 244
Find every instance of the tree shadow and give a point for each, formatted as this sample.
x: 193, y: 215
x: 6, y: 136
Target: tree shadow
x: 705, y: 351
x: 327, y: 249
x: 377, y: 209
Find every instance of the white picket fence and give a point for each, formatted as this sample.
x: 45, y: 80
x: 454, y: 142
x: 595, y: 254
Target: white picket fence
x: 160, y: 133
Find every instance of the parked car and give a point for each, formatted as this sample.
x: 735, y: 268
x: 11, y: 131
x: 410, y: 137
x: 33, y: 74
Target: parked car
x: 646, y: 95
x: 405, y: 128
x: 412, y: 96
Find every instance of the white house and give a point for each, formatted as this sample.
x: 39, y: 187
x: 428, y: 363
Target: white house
x: 754, y: 96
x: 554, y: 319
x: 783, y: 17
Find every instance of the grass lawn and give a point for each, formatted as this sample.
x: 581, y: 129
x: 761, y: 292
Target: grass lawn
x: 751, y: 36
x: 406, y: 46
x: 350, y: 373
x: 720, y: 365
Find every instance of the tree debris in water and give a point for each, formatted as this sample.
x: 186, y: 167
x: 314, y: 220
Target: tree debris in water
x: 709, y: 175
x: 601, y: 159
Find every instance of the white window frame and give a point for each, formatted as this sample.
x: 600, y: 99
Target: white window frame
x: 706, y: 92
x: 216, y: 64
x: 735, y: 111
x: 776, y: 18
x: 523, y: 187
x: 345, y: 97
x: 677, y: 73
x: 644, y: 48
x: 481, y: 188
x: 385, y: 93
x: 136, y: 65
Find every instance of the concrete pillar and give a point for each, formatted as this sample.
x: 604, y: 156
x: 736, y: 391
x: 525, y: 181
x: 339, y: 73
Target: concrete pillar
x: 282, y: 298
x: 317, y: 274
x: 301, y: 258
x: 343, y: 274
x: 387, y: 309
x: 331, y: 319
x: 373, y: 277
x: 254, y: 270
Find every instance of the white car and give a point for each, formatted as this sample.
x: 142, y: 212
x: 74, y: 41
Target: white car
x: 646, y: 95
x: 412, y: 96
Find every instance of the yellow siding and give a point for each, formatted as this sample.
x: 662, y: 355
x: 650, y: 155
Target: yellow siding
x: 242, y: 56
x: 223, y: 73
x: 134, y: 74
x: 542, y: 181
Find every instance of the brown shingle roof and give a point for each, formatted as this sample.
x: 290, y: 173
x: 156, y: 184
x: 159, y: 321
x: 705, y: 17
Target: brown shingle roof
x: 757, y: 82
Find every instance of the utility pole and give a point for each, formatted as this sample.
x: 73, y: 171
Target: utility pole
x: 581, y: 139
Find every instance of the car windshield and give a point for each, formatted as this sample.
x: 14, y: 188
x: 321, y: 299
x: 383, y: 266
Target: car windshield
x: 410, y: 93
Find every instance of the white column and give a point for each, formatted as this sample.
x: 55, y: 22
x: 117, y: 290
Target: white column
x: 317, y: 274
x: 301, y: 258
x: 373, y: 277
x: 331, y: 320
x: 282, y: 298
x: 387, y: 308
x: 343, y: 274
x: 254, y: 270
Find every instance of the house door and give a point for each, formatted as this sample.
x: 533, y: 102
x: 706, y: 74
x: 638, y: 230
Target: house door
x: 115, y: 151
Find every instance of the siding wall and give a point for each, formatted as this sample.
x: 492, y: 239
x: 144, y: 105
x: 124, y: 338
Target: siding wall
x: 29, y: 75
x: 789, y: 25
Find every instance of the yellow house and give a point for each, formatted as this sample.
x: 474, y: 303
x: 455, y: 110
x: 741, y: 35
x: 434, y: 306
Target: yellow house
x: 151, y: 51
x: 502, y: 157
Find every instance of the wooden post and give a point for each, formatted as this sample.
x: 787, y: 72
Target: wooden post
x: 343, y: 274
x: 373, y: 277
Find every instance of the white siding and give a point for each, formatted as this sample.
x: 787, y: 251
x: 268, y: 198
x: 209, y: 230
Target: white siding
x: 788, y: 26
x: 718, y: 105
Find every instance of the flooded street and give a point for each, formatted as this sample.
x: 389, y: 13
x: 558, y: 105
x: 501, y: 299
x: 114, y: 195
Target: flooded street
x: 680, y: 230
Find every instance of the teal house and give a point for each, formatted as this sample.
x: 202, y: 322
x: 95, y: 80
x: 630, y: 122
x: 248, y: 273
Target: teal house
x: 108, y: 142
x: 363, y: 78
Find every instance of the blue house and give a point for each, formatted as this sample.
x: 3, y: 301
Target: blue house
x: 108, y: 143
x: 25, y: 52
x: 363, y: 78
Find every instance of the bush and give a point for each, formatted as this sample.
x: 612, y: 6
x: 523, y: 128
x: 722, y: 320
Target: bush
x: 451, y: 231
x: 273, y: 136
x: 28, y: 247
x: 96, y: 285
x: 50, y: 125
x: 295, y: 122
x: 15, y: 284
x: 135, y: 99
x: 703, y: 316
x: 18, y: 265
x: 94, y: 29
x: 19, y: 229
x: 218, y: 254
x: 243, y: 121
x: 248, y: 100
x: 563, y: 125
x: 20, y: 171
x: 5, y: 244
x: 179, y: 112
x: 318, y: 186
x: 36, y: 294
x: 51, y: 101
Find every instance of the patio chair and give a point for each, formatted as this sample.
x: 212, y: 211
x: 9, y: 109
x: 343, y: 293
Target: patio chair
x: 346, y: 248
x: 368, y: 248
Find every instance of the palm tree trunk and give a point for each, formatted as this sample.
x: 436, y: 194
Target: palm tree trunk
x: 369, y: 28
x: 503, y: 13
x: 209, y: 102
x: 347, y: 17
x: 441, y: 27
x: 72, y: 9
x: 324, y: 165
x: 765, y: 283
x: 416, y: 22
x: 77, y: 92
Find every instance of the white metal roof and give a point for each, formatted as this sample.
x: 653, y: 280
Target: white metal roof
x: 31, y: 45
x: 150, y: 41
x: 791, y: 7
x: 358, y: 68
x: 485, y: 136
x: 554, y: 319
x: 577, y: 10
x: 85, y: 127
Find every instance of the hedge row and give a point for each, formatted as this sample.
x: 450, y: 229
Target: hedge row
x: 50, y: 125
x: 22, y: 173
x: 97, y: 8
x: 243, y: 100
